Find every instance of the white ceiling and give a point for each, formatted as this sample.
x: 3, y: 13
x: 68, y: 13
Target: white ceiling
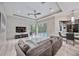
x: 23, y: 8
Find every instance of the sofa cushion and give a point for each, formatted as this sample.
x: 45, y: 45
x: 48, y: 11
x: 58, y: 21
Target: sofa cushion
x: 43, y: 41
x: 43, y: 49
x: 24, y: 47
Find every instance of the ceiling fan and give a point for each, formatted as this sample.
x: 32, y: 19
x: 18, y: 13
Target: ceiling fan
x: 35, y: 13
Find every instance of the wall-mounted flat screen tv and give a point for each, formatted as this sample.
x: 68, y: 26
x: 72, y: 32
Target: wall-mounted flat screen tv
x: 20, y: 29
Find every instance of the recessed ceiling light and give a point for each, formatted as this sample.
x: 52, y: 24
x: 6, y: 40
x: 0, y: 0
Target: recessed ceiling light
x: 51, y: 9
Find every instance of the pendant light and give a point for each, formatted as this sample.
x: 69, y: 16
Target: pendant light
x: 72, y: 17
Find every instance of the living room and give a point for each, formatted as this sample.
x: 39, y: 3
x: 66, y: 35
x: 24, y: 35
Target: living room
x: 39, y: 29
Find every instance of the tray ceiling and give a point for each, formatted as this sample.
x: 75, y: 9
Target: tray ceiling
x: 44, y: 8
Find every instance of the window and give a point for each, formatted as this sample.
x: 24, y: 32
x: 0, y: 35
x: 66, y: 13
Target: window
x: 33, y: 29
x: 42, y: 29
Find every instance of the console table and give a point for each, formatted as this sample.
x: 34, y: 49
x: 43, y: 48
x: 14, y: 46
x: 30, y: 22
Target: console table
x: 21, y: 36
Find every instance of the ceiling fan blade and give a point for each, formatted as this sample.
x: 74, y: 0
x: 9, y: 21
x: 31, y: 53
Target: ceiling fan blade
x: 38, y: 13
x: 30, y: 14
x: 35, y: 11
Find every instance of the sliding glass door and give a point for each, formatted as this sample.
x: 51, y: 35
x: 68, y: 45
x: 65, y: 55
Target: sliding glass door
x: 41, y: 28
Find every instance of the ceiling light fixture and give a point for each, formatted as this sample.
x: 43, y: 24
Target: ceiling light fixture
x: 35, y: 13
x: 51, y: 9
x: 72, y: 17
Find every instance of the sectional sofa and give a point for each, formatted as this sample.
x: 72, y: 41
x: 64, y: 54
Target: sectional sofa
x: 48, y: 47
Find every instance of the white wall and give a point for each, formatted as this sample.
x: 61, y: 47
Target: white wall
x: 50, y: 25
x: 2, y: 33
x: 57, y: 28
x: 14, y: 21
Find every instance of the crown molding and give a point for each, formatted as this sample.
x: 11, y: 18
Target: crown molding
x: 22, y: 16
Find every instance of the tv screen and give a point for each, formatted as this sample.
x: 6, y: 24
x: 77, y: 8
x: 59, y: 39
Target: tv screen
x: 20, y: 29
